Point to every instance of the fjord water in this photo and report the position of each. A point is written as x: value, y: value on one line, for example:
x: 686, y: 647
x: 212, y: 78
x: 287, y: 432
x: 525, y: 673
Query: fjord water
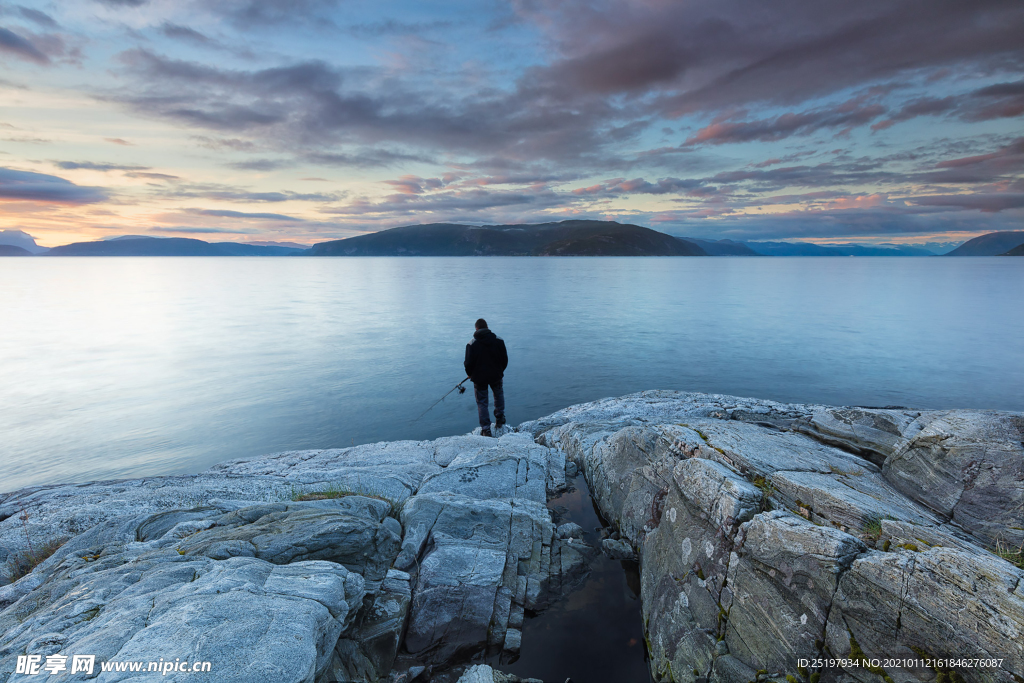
x: 123, y: 367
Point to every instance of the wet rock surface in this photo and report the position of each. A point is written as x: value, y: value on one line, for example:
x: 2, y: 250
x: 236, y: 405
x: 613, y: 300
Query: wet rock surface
x: 766, y: 533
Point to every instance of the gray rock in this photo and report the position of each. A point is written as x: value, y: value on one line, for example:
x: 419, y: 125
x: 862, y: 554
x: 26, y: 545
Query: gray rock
x: 848, y: 502
x: 729, y: 669
x: 617, y: 550
x: 727, y: 586
x: 364, y: 544
x: 464, y: 551
x: 482, y: 548
x: 569, y: 530
x: 967, y: 465
x: 943, y: 602
x: 481, y: 673
x: 139, y: 600
x: 685, y: 563
x: 873, y: 433
x: 391, y: 470
x: 889, y: 477
x: 753, y: 450
x: 369, y: 649
x: 513, y: 467
x: 782, y: 578
x: 896, y: 534
x: 478, y: 540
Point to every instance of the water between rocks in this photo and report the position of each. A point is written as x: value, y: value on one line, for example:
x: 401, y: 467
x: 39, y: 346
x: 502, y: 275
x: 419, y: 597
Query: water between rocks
x: 596, y: 634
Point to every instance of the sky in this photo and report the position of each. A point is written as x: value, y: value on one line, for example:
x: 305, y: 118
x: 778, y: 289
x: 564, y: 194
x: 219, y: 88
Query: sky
x: 878, y: 121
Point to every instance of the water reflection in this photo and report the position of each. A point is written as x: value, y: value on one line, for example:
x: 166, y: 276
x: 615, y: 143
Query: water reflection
x: 596, y: 634
x: 127, y: 367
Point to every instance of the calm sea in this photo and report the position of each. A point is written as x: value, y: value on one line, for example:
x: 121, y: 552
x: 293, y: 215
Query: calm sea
x: 121, y: 367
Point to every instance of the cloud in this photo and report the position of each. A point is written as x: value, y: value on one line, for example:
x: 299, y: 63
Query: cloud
x: 364, y: 158
x: 985, y: 202
x: 93, y: 166
x: 1006, y: 161
x: 701, y: 56
x: 120, y: 141
x: 202, y: 231
x: 621, y: 186
x: 330, y: 115
x: 41, y: 18
x: 260, y: 164
x: 775, y: 161
x: 1001, y: 100
x: 235, y: 194
x: 270, y: 12
x: 820, y: 175
x: 447, y: 204
x: 842, y: 224
x: 224, y: 213
x: 184, y: 33
x: 393, y: 27
x: 410, y: 184
x: 847, y: 115
x: 921, y: 106
x: 14, y: 44
x: 152, y: 176
x: 39, y: 187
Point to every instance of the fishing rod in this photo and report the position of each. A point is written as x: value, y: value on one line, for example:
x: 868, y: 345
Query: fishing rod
x: 458, y: 386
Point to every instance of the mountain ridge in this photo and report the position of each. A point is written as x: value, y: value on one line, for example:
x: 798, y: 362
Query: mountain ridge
x: 564, y: 238
x: 166, y: 246
x: 990, y: 244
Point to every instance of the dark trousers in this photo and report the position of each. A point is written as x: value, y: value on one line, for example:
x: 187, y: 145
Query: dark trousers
x: 480, y: 391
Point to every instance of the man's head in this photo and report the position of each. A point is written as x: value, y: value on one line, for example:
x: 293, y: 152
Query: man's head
x: 481, y: 324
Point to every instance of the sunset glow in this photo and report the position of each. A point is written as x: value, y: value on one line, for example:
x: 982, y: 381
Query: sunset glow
x: 264, y: 120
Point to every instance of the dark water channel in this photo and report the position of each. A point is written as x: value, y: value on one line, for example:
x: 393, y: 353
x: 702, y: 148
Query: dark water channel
x: 595, y: 635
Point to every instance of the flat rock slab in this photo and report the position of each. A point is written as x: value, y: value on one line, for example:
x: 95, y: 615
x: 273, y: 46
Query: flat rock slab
x: 942, y: 602
x: 390, y: 470
x: 107, y: 594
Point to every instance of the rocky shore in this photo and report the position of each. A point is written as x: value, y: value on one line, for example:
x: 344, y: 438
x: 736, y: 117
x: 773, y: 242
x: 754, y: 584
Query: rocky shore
x: 768, y: 534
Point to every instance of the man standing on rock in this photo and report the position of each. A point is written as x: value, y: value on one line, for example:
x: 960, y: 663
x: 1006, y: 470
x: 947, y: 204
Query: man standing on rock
x: 486, y: 360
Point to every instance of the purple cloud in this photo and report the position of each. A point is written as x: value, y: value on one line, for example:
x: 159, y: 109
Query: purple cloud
x: 39, y: 187
x: 12, y: 43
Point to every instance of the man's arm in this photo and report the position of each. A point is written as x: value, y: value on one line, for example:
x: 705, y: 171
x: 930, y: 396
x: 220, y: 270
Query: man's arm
x: 503, y: 355
x: 468, y: 363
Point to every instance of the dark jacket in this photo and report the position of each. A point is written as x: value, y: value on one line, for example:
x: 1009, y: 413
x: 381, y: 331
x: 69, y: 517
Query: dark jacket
x: 486, y: 358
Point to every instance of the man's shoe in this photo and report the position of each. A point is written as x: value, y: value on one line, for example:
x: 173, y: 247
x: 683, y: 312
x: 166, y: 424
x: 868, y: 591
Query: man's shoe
x: 486, y: 431
x: 499, y: 422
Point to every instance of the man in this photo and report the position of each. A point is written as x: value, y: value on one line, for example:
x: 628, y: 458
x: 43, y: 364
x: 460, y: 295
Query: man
x: 486, y: 360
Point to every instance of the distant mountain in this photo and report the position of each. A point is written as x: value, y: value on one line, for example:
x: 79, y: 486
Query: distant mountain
x: 240, y: 249
x: 566, y: 238
x: 293, y: 245
x: 11, y: 250
x: 1016, y: 251
x: 992, y: 244
x: 722, y: 247
x: 808, y: 249
x: 167, y: 246
x: 20, y: 238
